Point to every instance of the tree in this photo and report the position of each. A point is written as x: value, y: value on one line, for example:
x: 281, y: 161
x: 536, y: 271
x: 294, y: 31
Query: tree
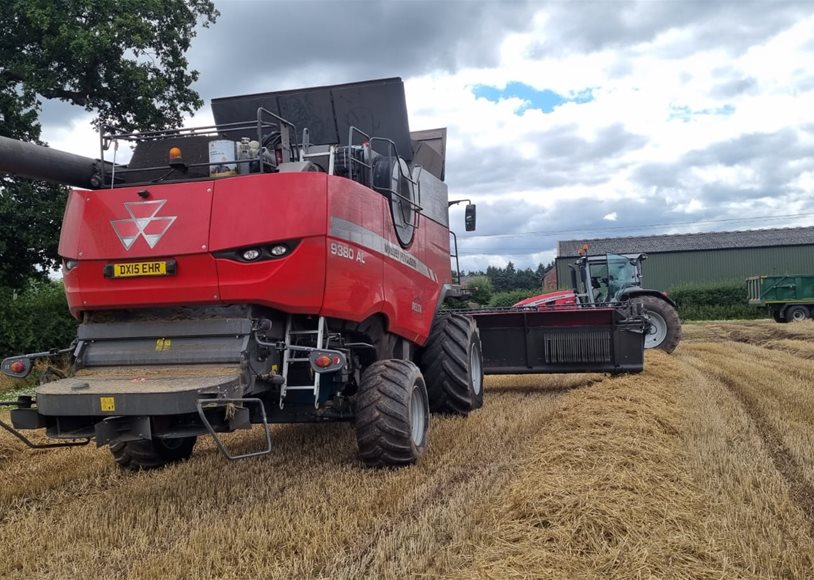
x: 480, y: 289
x: 30, y: 214
x: 123, y: 60
x: 503, y: 279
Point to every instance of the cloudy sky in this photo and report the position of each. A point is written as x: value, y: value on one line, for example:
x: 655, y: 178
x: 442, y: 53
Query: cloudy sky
x: 566, y: 119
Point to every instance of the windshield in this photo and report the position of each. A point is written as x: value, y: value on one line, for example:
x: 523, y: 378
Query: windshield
x: 599, y: 281
x: 622, y: 274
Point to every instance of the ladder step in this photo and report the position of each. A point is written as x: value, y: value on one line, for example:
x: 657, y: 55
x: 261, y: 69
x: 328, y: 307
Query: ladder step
x: 289, y: 358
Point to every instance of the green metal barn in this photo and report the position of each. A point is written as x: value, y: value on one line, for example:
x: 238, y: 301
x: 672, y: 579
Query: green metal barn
x: 710, y: 257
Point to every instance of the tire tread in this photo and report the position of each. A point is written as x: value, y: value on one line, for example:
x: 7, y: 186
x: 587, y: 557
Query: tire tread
x: 137, y: 455
x: 445, y: 364
x: 670, y: 316
x: 383, y: 429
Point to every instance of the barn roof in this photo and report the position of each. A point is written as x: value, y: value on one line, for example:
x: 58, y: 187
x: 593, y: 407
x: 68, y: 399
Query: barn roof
x: 690, y: 242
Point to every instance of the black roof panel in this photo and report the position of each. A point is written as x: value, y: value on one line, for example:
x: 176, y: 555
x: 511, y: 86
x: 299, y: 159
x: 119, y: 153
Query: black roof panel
x: 377, y: 107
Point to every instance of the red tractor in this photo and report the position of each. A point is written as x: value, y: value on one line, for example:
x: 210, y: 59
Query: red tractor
x: 615, y: 279
x: 287, y: 264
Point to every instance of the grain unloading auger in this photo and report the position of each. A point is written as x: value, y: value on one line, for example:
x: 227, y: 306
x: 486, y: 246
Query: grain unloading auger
x: 287, y: 264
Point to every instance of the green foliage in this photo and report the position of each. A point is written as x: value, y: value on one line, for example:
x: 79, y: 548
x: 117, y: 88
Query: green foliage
x: 510, y: 278
x: 35, y: 319
x: 510, y: 298
x: 123, y: 60
x: 30, y: 215
x: 714, y: 301
x: 480, y: 287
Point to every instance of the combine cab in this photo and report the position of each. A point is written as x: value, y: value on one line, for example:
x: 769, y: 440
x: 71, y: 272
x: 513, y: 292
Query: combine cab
x: 287, y: 264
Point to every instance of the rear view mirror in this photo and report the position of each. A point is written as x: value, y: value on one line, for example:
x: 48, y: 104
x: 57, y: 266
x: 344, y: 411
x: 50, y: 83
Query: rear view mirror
x: 469, y: 217
x: 17, y: 367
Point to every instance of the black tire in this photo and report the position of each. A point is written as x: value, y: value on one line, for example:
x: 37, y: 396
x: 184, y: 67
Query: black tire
x: 135, y: 455
x: 392, y: 414
x: 797, y: 313
x: 778, y: 318
x: 452, y: 364
x: 665, y: 329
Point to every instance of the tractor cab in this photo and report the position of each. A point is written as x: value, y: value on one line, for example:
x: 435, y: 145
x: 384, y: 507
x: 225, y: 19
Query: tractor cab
x: 605, y: 278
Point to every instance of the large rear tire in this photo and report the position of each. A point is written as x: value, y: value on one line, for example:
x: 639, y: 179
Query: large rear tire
x: 135, y: 455
x: 665, y: 326
x: 392, y: 414
x: 797, y: 313
x: 452, y: 364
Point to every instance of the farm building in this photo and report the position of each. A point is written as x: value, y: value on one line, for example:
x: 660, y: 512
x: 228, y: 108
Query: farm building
x: 709, y: 257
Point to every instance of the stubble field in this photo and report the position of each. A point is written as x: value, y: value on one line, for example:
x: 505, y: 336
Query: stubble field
x: 700, y: 467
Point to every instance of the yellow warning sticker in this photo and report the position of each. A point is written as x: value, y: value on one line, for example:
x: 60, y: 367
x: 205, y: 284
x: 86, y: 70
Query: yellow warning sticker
x: 163, y: 344
x: 108, y: 404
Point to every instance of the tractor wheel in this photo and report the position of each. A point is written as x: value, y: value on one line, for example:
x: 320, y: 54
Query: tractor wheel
x: 665, y: 326
x: 797, y: 313
x: 452, y: 365
x: 157, y: 452
x: 392, y: 414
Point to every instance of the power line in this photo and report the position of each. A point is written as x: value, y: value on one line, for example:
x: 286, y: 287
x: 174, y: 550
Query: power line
x: 638, y: 227
x: 526, y: 251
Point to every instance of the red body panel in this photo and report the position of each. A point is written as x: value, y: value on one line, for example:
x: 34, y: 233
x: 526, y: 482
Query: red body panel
x: 354, y: 287
x: 98, y: 224
x: 195, y: 283
x: 256, y: 209
x: 556, y: 298
x: 346, y: 263
x: 292, y: 284
x: 368, y: 271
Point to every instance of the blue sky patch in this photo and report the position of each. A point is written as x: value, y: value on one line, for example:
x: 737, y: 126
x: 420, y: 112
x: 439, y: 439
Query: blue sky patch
x: 684, y: 113
x: 545, y: 100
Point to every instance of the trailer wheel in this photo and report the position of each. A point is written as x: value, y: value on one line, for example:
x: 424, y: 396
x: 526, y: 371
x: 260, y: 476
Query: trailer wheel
x: 797, y: 313
x: 778, y: 317
x: 392, y: 414
x: 452, y: 365
x: 665, y: 326
x: 157, y: 452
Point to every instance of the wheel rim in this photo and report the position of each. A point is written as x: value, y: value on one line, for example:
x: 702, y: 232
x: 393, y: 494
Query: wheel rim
x: 171, y: 444
x: 798, y: 314
x: 475, y: 370
x: 657, y: 331
x: 418, y: 416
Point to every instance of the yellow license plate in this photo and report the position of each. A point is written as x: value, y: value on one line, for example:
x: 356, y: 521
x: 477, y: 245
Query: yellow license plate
x: 133, y: 269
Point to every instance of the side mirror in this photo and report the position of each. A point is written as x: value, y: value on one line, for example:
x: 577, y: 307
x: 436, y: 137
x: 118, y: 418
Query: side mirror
x: 17, y: 367
x: 469, y: 217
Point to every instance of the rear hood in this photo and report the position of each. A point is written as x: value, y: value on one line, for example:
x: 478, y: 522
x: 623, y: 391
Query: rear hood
x: 137, y: 222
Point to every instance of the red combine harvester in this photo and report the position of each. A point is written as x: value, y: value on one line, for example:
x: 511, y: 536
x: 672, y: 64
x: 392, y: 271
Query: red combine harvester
x: 287, y: 264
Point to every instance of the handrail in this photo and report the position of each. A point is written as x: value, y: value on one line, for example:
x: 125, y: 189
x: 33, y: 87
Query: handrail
x: 285, y: 126
x: 455, y: 255
x: 348, y: 154
x: 284, y: 134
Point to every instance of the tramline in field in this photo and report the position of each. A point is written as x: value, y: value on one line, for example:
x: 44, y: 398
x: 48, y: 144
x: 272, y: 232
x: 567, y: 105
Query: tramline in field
x: 287, y: 264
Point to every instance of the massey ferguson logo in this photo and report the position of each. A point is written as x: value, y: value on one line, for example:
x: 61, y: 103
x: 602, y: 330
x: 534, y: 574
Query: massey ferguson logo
x: 142, y: 222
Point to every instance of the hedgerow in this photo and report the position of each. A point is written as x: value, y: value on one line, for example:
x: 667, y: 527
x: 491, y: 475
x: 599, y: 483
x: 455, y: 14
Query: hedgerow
x: 714, y: 301
x: 35, y: 319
